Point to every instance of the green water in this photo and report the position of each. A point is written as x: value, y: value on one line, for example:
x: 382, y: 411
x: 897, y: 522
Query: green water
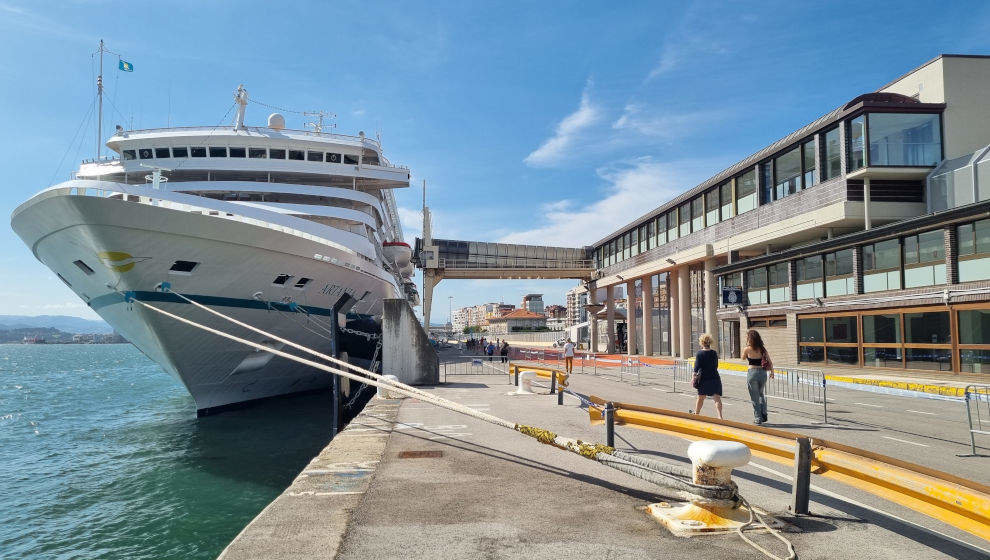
x: 102, y: 456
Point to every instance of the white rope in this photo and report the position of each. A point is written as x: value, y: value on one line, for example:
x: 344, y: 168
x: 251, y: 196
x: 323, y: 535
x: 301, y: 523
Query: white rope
x: 791, y: 554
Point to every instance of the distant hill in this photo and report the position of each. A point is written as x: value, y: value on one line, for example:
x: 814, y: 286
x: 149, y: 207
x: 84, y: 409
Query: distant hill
x: 65, y: 323
x: 47, y: 334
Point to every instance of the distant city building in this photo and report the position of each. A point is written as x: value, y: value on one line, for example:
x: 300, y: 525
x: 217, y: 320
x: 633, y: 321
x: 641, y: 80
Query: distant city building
x: 478, y: 315
x: 532, y: 303
x: 519, y: 320
x: 577, y: 299
x: 556, y: 323
x: 555, y: 312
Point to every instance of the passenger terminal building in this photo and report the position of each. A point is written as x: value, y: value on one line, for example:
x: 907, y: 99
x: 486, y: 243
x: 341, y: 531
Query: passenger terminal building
x: 861, y: 239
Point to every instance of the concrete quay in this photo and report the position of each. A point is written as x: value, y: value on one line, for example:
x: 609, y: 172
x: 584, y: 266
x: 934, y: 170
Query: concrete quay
x: 408, y: 480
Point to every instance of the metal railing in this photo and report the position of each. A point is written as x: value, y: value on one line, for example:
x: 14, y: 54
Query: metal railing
x: 515, y: 262
x: 978, y: 405
x: 799, y: 385
x: 473, y: 365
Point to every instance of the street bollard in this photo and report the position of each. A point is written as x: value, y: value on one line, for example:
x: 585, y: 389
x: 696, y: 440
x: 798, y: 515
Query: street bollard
x: 610, y: 424
x: 560, y: 397
x: 712, y: 463
x: 553, y: 382
x: 802, y: 476
x: 516, y: 368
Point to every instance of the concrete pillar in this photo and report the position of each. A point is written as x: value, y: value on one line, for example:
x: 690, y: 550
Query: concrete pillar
x: 647, y: 316
x: 593, y: 318
x: 631, y: 318
x: 684, y: 297
x: 430, y: 280
x: 610, y: 319
x: 866, y: 203
x: 711, y: 303
x: 674, y: 310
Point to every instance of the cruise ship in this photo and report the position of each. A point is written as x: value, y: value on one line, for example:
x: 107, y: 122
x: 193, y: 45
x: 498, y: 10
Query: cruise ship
x: 292, y: 231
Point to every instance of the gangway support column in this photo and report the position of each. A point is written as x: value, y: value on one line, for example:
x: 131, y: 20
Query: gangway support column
x: 711, y: 303
x: 631, y: 318
x: 647, y: 325
x: 610, y: 319
x: 430, y: 279
x: 673, y: 314
x: 684, y: 314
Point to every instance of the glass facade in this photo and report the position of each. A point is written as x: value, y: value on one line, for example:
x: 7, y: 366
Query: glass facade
x: 974, y: 251
x: 711, y: 207
x: 882, y: 266
x: 924, y: 259
x: 839, y: 273
x: 756, y: 286
x: 833, y: 155
x: 787, y: 173
x: 810, y: 274
x: 780, y: 287
x: 746, y: 192
x: 684, y: 213
x: 857, y: 143
x: 808, y: 163
x: 698, y: 214
x: 725, y: 199
x: 913, y: 139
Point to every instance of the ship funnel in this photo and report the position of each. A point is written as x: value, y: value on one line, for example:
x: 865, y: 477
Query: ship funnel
x: 276, y: 121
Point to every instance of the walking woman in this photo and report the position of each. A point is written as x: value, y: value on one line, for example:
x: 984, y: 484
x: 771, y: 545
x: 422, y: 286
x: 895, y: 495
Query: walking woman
x: 756, y: 379
x: 706, y: 378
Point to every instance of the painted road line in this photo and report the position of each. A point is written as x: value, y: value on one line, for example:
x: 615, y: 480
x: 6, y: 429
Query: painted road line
x: 865, y: 404
x: 920, y: 412
x: 906, y: 441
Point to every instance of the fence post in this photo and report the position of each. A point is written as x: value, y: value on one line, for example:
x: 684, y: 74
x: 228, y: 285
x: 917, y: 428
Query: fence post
x: 969, y: 417
x: 802, y: 476
x: 824, y: 398
x: 553, y: 382
x: 609, y: 424
x: 515, y: 370
x: 560, y: 397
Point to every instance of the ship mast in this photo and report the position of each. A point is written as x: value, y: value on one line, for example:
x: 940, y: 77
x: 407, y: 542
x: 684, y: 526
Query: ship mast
x: 99, y: 95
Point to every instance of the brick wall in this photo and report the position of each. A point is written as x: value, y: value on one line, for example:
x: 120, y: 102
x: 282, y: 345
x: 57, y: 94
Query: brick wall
x: 781, y: 342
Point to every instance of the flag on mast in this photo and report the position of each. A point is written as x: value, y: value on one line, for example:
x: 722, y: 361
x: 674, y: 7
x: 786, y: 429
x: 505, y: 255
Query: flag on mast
x: 125, y: 66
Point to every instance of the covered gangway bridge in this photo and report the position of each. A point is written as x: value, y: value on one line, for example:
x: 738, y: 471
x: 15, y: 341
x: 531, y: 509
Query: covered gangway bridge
x: 450, y: 258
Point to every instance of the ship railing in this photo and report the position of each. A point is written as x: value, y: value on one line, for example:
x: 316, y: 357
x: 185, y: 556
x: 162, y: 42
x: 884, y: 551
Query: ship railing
x: 516, y: 262
x: 330, y: 135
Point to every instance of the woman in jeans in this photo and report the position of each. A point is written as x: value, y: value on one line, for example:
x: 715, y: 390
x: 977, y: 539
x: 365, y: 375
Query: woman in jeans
x: 709, y: 384
x: 756, y: 378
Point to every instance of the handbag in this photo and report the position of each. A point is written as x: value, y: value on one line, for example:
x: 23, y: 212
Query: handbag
x: 696, y: 380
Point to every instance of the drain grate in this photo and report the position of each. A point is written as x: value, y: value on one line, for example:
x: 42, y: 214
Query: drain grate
x: 419, y: 454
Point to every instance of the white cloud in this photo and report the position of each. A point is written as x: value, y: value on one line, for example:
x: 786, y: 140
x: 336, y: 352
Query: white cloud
x: 642, y: 120
x: 696, y: 34
x: 631, y: 190
x: 358, y: 112
x: 412, y: 223
x: 555, y: 149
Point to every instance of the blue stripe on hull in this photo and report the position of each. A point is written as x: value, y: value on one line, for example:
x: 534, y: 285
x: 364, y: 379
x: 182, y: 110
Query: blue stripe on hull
x: 212, y: 301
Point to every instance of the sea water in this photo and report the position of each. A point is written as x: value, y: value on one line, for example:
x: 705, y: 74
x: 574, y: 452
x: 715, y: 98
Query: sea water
x: 102, y: 456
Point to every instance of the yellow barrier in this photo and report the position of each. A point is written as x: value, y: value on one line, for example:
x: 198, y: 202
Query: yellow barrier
x: 962, y: 503
x: 541, y: 371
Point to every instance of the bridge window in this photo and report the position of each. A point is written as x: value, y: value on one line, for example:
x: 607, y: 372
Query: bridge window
x: 162, y: 153
x: 297, y: 155
x: 197, y: 151
x: 238, y: 152
x: 276, y: 153
x: 128, y: 154
x: 146, y: 153
x: 756, y: 286
x: 257, y: 153
x: 218, y: 152
x: 746, y: 191
x: 882, y: 266
x: 314, y: 156
x: 350, y: 160
x: 660, y: 226
x: 646, y: 239
x: 333, y: 158
x: 180, y: 152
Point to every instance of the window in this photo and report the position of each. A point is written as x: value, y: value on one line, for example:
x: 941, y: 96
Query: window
x: 684, y: 213
x: 924, y: 259
x: 84, y: 267
x: 833, y: 155
x: 811, y: 330
x: 841, y: 329
x: 839, y: 278
x: 180, y: 152
x: 197, y: 151
x: 672, y: 225
x: 276, y: 153
x: 725, y: 199
x: 974, y: 340
x: 769, y: 322
x: 645, y: 233
x: 811, y: 340
x: 809, y: 277
x: 350, y: 160
x: 756, y: 286
x: 297, y: 155
x: 128, y: 154
x: 928, y: 329
x: 711, y: 207
x: 314, y: 156
x: 183, y: 266
x: 780, y: 285
x: 633, y: 242
x: 661, y: 229
x: 808, y: 163
x: 626, y: 246
x: 882, y: 266
x: 974, y: 251
x: 698, y: 214
x: 333, y: 158
x: 145, y: 153
x: 884, y: 328
x: 766, y: 182
x: 257, y: 153
x: 905, y: 139
x: 218, y: 152
x: 162, y: 153
x: 746, y: 191
x: 238, y: 152
x: 301, y: 283
x: 787, y: 173
x: 857, y: 140
x: 281, y: 279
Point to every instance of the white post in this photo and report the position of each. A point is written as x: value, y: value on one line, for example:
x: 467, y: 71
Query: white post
x: 866, y: 203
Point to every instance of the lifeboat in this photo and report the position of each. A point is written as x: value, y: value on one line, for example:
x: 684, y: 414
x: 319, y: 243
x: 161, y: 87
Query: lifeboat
x: 397, y: 253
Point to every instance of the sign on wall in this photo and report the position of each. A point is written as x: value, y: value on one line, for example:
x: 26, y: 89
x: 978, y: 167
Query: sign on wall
x: 732, y: 295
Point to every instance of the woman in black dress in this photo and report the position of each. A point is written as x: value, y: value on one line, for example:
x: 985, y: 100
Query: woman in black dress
x: 709, y: 383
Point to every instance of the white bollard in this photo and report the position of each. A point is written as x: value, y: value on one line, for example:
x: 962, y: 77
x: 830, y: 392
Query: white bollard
x: 713, y: 461
x: 384, y: 393
x: 525, y: 382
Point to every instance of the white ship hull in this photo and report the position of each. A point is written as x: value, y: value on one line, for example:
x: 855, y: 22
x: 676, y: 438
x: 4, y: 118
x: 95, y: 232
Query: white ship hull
x: 130, y: 246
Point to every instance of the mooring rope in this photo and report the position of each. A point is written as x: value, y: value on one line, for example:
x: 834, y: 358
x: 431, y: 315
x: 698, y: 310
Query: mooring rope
x: 645, y: 469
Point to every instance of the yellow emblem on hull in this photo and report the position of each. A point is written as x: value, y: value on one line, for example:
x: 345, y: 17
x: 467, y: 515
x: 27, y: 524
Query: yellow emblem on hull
x: 119, y: 261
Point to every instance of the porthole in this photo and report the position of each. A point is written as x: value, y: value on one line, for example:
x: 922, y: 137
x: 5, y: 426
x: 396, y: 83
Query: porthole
x: 183, y: 267
x: 84, y: 267
x: 281, y: 279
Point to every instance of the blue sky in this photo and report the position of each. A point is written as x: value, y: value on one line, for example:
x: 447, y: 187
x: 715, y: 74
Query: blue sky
x: 533, y: 123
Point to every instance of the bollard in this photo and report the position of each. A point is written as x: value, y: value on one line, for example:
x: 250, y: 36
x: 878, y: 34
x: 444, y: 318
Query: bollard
x: 525, y: 386
x: 610, y: 424
x: 516, y: 370
x: 553, y: 382
x: 385, y: 393
x: 560, y: 397
x: 712, y: 463
x: 802, y: 476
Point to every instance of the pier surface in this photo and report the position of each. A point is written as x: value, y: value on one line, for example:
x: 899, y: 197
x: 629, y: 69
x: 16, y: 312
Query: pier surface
x: 408, y: 480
